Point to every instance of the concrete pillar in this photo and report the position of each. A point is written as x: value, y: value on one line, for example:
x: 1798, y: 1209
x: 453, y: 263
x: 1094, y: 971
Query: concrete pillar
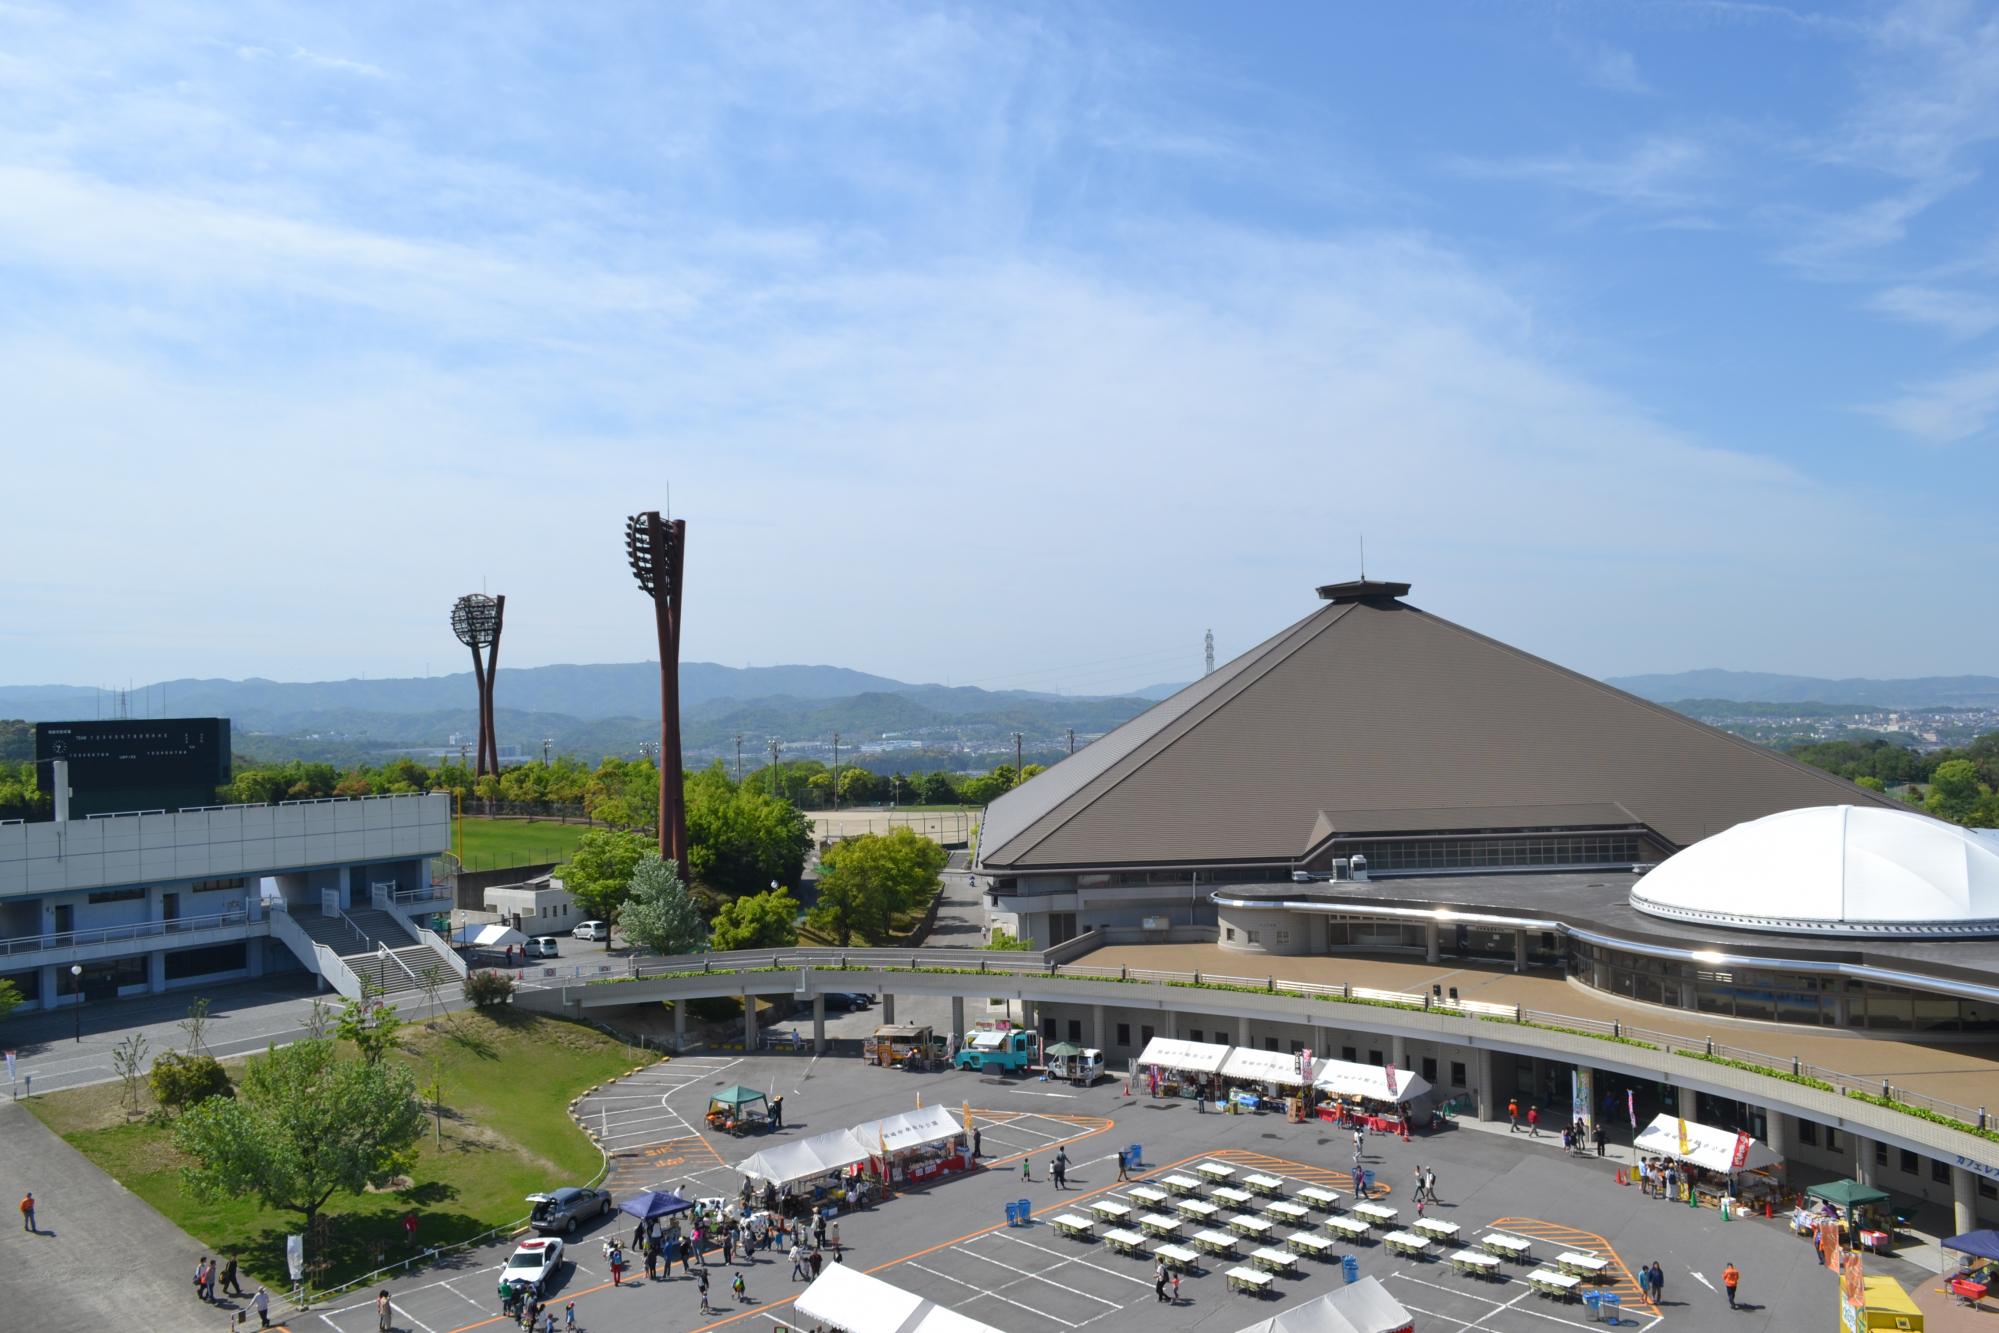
x: 679, y: 1025
x: 1097, y: 1028
x: 1172, y: 1017
x: 254, y: 954
x: 1777, y: 1133
x: 888, y: 1007
x: 1242, y: 1032
x: 749, y: 1022
x: 958, y: 1016
x: 47, y: 986
x: 1431, y: 952
x: 819, y: 1025
x: 1519, y: 951
x: 346, y: 883
x: 1684, y: 1104
x: 1963, y: 1199
x: 1863, y: 1158
x: 156, y: 970
x: 1398, y: 1050
x: 1486, y: 1078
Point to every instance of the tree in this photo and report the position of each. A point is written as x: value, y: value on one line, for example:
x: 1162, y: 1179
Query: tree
x: 599, y: 872
x: 183, y: 1081
x: 1954, y: 790
x: 865, y: 881
x: 767, y: 920
x: 1870, y: 782
x: 10, y: 996
x: 740, y: 838
x: 659, y: 914
x: 370, y: 1025
x: 195, y: 1025
x: 487, y: 987
x: 1004, y: 941
x: 128, y: 1061
x: 306, y: 1125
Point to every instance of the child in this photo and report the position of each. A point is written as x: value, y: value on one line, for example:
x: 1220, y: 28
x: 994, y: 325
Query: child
x: 741, y: 1288
x: 569, y: 1316
x: 1024, y: 1173
x: 705, y: 1307
x: 1176, y: 1286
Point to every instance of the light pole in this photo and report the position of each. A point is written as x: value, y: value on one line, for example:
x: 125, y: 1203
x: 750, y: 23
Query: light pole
x: 657, y: 548
x: 774, y: 748
x: 1016, y: 759
x: 739, y: 759
x: 546, y: 741
x: 836, y: 772
x: 76, y: 979
x: 894, y: 789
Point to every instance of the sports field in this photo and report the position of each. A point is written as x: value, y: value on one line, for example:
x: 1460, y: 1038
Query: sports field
x: 493, y: 844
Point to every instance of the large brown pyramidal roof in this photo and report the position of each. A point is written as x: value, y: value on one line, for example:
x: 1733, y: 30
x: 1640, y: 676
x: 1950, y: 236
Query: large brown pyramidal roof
x: 1371, y: 716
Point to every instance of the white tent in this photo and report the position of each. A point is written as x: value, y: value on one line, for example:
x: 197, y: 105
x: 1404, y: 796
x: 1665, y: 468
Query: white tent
x: 1707, y: 1147
x: 1344, y: 1078
x: 848, y: 1299
x: 807, y: 1159
x: 909, y: 1129
x: 1268, y: 1067
x: 1193, y: 1057
x: 490, y: 936
x: 1363, y: 1307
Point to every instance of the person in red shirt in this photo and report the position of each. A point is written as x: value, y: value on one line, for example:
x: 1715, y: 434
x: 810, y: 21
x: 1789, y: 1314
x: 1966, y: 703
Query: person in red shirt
x: 28, y: 1212
x: 1534, y: 1121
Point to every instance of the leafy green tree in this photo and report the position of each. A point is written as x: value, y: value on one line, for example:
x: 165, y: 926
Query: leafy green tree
x: 305, y: 1125
x: 938, y: 789
x: 767, y: 920
x: 659, y: 913
x: 741, y: 838
x: 1004, y: 941
x: 180, y: 1082
x: 488, y: 986
x: 866, y: 881
x: 599, y: 872
x: 10, y: 997
x: 1954, y: 791
x: 371, y: 1025
x: 1870, y: 782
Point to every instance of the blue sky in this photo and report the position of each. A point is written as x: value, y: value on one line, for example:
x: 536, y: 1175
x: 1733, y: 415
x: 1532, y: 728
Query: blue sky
x: 1001, y: 345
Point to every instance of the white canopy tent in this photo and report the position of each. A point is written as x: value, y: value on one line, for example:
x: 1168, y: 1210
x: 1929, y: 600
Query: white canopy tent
x: 493, y: 935
x: 1707, y: 1147
x: 909, y: 1129
x: 807, y: 1159
x: 1269, y: 1067
x: 1363, y: 1307
x: 1344, y: 1078
x: 847, y: 1299
x: 1189, y: 1057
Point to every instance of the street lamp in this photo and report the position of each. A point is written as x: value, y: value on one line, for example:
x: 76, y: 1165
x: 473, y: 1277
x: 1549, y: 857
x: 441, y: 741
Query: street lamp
x: 76, y: 979
x: 546, y: 741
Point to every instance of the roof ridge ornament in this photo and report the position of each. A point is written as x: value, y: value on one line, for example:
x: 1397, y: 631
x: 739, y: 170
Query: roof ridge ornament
x: 1363, y: 590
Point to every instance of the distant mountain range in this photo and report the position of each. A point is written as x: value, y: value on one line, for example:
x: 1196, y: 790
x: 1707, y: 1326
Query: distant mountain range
x: 608, y: 709
x: 1859, y: 692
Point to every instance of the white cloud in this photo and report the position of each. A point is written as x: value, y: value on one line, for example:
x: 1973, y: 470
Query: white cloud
x: 1658, y: 174
x: 1959, y: 313
x: 1611, y: 68
x: 1949, y: 409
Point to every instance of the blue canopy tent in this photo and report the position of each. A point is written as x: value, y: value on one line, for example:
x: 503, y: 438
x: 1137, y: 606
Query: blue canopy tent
x: 654, y: 1203
x: 1977, y: 1244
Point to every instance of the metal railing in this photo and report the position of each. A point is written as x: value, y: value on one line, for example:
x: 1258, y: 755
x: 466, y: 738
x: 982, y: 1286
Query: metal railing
x: 437, y: 946
x: 136, y: 930
x: 1043, y: 964
x: 316, y: 956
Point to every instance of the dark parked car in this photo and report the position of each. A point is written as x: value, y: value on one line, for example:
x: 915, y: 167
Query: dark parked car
x: 560, y: 1210
x: 843, y: 1002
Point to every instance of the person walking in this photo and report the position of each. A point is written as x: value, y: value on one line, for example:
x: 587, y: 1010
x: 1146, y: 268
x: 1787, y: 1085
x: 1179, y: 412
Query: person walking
x: 383, y: 1313
x: 1430, y: 1183
x: 797, y: 1262
x: 1025, y: 1174
x: 1655, y: 1282
x: 816, y: 1258
x: 28, y: 1213
x: 261, y: 1303
x: 208, y: 1285
x: 705, y: 1307
x: 728, y: 1247
x: 1123, y: 1167
x: 1176, y: 1286
x: 819, y: 1231
x: 1601, y: 1135
x: 741, y: 1288
x: 1534, y: 1122
x: 617, y: 1267
x: 201, y: 1277
x: 1159, y: 1282
x: 569, y: 1316
x: 1416, y: 1194
x: 1513, y: 1114
x: 1731, y: 1278
x: 978, y: 1142
x: 777, y: 1113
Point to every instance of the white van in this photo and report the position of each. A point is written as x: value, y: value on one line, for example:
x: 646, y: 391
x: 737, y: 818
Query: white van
x: 592, y: 930
x: 541, y: 946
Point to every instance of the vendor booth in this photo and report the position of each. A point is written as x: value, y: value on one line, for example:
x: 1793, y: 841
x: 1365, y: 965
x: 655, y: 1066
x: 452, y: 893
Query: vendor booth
x: 1718, y: 1165
x: 786, y: 1164
x: 490, y: 938
x: 1977, y: 1271
x: 919, y: 1145
x: 1174, y: 1068
x: 655, y: 1204
x: 1361, y: 1307
x: 851, y: 1301
x: 1862, y: 1210
x: 739, y: 1110
x: 1259, y: 1080
x: 1363, y: 1095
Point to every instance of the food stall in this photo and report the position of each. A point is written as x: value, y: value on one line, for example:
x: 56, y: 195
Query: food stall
x: 739, y: 1111
x: 1170, y: 1067
x: 1863, y: 1212
x: 919, y: 1145
x: 1258, y: 1080
x: 1360, y: 1307
x: 1081, y: 1065
x: 1363, y: 1096
x: 1725, y: 1164
x: 1977, y: 1265
x: 901, y: 1045
x: 845, y: 1298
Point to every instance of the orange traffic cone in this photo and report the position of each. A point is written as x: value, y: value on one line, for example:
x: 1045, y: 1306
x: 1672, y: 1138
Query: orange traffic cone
x: 1766, y: 1209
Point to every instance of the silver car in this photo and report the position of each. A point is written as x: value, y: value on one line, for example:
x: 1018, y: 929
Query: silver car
x: 560, y: 1210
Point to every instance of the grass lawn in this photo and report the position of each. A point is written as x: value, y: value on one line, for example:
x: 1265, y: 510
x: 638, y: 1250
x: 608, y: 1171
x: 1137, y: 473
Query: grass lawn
x: 508, y: 1079
x: 490, y: 844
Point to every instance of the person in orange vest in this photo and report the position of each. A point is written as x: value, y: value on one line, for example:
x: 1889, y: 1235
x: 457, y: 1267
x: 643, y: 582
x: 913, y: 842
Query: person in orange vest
x: 28, y: 1212
x: 1731, y: 1277
x: 1513, y: 1112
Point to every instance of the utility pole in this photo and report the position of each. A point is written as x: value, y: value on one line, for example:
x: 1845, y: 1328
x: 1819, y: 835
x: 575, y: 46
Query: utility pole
x: 774, y: 747
x: 1016, y: 759
x: 739, y: 759
x: 1072, y: 740
x: 836, y: 772
x: 546, y: 741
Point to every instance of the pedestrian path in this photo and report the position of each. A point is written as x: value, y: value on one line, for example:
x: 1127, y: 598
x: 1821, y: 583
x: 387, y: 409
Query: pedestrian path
x: 1556, y: 1238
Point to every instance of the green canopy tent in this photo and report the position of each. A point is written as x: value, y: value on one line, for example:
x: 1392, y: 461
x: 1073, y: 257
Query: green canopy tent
x: 738, y: 1108
x: 1853, y: 1199
x: 1063, y: 1049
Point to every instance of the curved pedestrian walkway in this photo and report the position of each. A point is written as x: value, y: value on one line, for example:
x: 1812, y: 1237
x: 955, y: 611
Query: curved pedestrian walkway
x: 102, y: 1257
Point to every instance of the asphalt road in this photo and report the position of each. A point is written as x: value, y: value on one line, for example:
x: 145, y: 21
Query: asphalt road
x: 950, y: 1241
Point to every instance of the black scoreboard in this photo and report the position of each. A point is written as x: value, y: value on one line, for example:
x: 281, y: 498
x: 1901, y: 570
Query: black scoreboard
x: 136, y: 763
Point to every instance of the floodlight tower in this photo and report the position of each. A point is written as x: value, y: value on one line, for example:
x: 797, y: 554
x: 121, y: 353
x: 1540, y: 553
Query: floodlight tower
x: 476, y: 620
x: 656, y: 547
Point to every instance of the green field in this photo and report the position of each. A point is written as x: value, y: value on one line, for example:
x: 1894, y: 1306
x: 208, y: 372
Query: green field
x: 493, y: 844
x: 508, y: 1077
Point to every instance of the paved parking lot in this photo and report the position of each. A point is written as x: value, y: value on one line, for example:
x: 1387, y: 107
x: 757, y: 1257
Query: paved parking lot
x: 950, y: 1241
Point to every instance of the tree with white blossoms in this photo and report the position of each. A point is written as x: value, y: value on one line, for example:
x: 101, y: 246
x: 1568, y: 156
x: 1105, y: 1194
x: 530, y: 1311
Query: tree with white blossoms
x: 659, y: 913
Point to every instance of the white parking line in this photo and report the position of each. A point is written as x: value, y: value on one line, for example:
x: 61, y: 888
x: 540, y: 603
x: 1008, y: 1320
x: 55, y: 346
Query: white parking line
x: 995, y: 1295
x: 1037, y: 1277
x: 1072, y: 1259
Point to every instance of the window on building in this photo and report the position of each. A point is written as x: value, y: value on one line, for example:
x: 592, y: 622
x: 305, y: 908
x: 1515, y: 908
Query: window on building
x: 1907, y: 1161
x: 217, y: 885
x: 1297, y: 1048
x: 1144, y: 1035
x: 103, y: 896
x: 1228, y: 932
x: 1256, y: 937
x: 1196, y: 1035
x: 1124, y: 1034
x: 1048, y: 1028
x: 1458, y: 1074
x: 1348, y: 1054
x: 1283, y: 937
x: 1075, y: 1029
x: 1831, y: 1139
x: 1376, y: 1058
x: 1987, y: 1189
x: 1880, y: 1153
x: 1270, y: 1043
x: 1429, y: 1069
x: 202, y: 962
x: 1939, y: 1171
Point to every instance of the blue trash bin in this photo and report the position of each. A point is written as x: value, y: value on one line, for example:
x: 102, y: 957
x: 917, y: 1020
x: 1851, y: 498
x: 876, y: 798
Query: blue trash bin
x: 1350, y: 1268
x: 1026, y: 1211
x: 1134, y: 1155
x: 1013, y: 1214
x: 1593, y: 1302
x: 1612, y: 1308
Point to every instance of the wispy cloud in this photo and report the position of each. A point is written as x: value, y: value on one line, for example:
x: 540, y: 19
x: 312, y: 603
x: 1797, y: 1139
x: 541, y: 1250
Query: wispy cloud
x: 1605, y: 66
x: 1961, y: 314
x: 1947, y: 410
x: 1657, y: 175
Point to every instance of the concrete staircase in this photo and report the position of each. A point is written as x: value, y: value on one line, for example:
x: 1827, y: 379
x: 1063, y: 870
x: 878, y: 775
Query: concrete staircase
x: 398, y: 971
x: 357, y: 937
x: 380, y: 928
x: 331, y: 931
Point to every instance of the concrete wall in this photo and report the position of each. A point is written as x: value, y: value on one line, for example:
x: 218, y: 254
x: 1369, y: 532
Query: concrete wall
x: 1270, y: 931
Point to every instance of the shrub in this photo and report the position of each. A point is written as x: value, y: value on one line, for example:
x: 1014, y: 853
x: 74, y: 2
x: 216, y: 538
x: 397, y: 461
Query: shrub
x: 180, y: 1081
x: 488, y: 988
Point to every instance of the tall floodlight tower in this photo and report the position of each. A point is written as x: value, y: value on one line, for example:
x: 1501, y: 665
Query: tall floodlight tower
x: 656, y: 546
x: 476, y: 620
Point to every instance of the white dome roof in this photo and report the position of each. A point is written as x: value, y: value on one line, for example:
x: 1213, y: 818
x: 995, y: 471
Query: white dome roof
x: 1844, y: 869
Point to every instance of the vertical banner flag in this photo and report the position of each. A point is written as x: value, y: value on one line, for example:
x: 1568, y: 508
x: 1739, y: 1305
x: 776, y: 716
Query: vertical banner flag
x: 1741, y: 1157
x: 1631, y: 1108
x: 1582, y: 1096
x: 295, y: 1257
x: 1304, y: 1067
x: 1684, y: 1149
x: 1389, y: 1070
x: 11, y: 1075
